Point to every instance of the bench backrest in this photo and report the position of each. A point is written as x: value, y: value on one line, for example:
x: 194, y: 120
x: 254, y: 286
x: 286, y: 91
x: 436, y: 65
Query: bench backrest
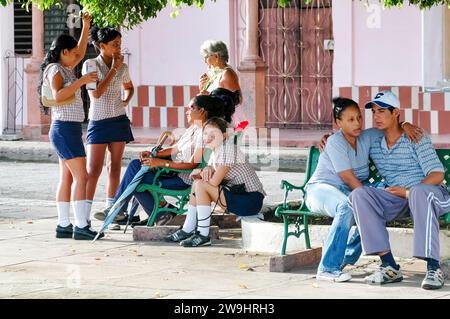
x: 444, y: 157
x: 312, y: 161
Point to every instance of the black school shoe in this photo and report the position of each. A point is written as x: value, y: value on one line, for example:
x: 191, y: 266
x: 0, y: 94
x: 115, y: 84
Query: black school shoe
x: 85, y: 233
x: 64, y: 232
x: 124, y: 221
x: 196, y: 240
x: 143, y: 222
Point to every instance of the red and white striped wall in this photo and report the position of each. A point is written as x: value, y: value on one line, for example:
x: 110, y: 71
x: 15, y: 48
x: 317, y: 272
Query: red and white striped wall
x: 429, y: 110
x: 161, y: 106
x: 165, y: 106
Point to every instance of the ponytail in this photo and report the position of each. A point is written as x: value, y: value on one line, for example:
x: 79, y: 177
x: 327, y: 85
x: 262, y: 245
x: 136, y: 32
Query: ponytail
x: 103, y: 35
x: 230, y: 100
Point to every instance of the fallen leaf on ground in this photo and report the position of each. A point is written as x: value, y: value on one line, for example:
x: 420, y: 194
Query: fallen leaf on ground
x: 243, y: 266
x: 98, y: 258
x: 250, y: 269
x: 243, y: 286
x: 315, y: 285
x: 157, y: 295
x: 29, y: 222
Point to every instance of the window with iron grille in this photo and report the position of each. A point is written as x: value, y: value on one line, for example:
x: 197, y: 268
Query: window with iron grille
x: 22, y: 30
x: 54, y: 25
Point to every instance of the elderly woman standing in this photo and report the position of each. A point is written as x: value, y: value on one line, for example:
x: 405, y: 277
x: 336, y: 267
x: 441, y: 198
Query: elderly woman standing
x: 220, y: 75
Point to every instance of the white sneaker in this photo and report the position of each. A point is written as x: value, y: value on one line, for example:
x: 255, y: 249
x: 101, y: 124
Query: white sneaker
x: 384, y: 275
x: 337, y: 276
x: 434, y: 279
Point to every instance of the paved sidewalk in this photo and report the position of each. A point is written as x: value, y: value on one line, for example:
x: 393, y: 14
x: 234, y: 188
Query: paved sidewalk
x: 34, y: 264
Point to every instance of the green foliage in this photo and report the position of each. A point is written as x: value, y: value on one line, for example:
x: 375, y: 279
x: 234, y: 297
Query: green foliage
x: 123, y: 13
x: 423, y: 4
x: 129, y: 13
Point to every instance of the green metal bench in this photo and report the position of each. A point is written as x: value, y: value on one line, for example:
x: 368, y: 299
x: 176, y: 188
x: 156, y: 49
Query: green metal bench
x: 181, y: 197
x: 299, y: 217
x: 160, y: 194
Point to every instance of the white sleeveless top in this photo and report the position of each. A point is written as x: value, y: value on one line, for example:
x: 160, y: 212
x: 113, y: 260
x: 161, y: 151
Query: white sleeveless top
x: 69, y: 112
x: 110, y: 104
x: 216, y: 83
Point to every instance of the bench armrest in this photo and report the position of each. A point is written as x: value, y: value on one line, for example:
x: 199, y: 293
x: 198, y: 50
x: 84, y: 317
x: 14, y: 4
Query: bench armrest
x: 288, y: 187
x: 167, y: 170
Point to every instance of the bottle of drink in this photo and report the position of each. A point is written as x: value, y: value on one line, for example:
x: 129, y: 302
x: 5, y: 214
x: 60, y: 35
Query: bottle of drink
x: 91, y: 66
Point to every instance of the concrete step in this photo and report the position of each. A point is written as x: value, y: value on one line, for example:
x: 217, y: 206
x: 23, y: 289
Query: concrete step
x: 158, y: 233
x: 267, y: 237
x: 223, y: 221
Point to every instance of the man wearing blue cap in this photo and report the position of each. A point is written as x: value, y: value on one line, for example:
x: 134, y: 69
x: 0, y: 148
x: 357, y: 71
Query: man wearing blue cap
x: 412, y: 176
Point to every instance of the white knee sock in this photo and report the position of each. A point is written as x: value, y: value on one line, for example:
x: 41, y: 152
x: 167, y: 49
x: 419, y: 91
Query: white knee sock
x: 204, y: 219
x: 191, y: 219
x: 109, y: 202
x: 88, y: 209
x: 63, y: 209
x: 79, y: 208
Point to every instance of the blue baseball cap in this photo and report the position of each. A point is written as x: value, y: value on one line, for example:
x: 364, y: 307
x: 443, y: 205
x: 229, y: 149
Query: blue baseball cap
x: 384, y: 99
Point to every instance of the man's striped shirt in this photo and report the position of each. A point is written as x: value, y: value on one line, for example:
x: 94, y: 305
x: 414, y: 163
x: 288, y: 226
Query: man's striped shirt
x: 406, y: 164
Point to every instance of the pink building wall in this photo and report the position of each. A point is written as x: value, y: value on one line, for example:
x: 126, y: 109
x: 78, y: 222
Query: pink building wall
x: 374, y: 49
x: 398, y: 49
x: 165, y: 51
x: 375, y: 46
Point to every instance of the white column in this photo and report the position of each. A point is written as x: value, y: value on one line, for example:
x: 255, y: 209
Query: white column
x: 38, y: 123
x: 6, y: 44
x: 253, y: 70
x: 251, y: 37
x: 342, y: 13
x: 432, y: 46
x: 446, y: 50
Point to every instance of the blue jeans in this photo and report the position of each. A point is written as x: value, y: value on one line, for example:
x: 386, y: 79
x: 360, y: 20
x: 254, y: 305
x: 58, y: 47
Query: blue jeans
x: 145, y: 198
x: 327, y: 200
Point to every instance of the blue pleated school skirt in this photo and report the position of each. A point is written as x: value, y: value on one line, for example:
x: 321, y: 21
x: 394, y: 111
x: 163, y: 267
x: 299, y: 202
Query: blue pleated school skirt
x: 115, y: 129
x: 67, y: 140
x: 245, y: 204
